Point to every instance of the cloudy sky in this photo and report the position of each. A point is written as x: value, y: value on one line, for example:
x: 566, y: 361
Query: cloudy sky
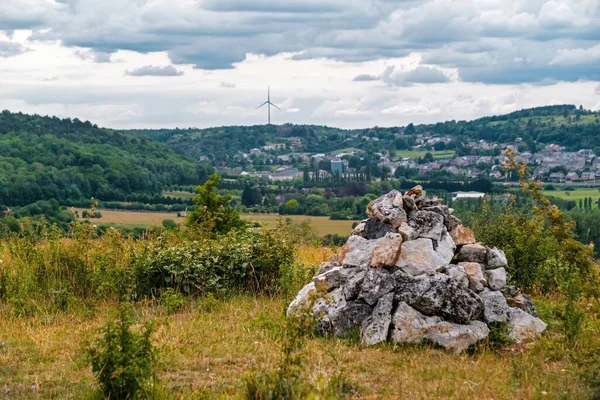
x: 347, y: 63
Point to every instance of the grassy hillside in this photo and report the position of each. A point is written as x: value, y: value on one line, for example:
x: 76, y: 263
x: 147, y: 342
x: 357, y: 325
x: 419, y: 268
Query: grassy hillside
x: 45, y: 158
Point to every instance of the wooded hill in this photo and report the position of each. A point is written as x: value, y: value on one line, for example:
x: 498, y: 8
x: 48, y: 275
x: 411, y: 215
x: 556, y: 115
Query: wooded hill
x: 566, y: 125
x: 44, y: 158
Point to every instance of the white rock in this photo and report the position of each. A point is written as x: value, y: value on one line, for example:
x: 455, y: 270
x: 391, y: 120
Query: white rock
x: 407, y: 232
x: 418, y: 257
x: 496, y: 258
x: 410, y: 326
x: 446, y: 247
x: 496, y: 278
x: 524, y: 326
x: 357, y: 252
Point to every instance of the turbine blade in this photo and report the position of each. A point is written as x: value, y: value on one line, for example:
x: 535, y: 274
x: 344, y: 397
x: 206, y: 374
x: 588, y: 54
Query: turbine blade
x: 266, y: 102
x: 275, y: 106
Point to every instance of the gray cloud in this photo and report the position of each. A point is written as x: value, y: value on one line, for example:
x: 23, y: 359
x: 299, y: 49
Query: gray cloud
x: 365, y: 78
x: 228, y: 85
x: 496, y: 42
x: 150, y: 70
x: 8, y: 49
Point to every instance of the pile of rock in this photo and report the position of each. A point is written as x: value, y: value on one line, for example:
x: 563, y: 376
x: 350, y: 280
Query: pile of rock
x: 413, y: 272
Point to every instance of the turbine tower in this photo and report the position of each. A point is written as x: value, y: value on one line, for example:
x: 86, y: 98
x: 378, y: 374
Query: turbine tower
x: 269, y: 104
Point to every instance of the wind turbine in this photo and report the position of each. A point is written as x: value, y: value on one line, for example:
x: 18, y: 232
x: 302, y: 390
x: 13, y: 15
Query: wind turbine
x: 269, y: 104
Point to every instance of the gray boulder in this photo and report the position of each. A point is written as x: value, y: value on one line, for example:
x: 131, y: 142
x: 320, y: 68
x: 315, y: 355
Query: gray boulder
x: 328, y: 280
x: 418, y: 257
x: 302, y: 299
x: 375, y: 328
x: 428, y: 224
x: 524, y: 303
x: 348, y: 317
x: 388, y: 209
x: 351, y: 281
x: 445, y: 246
x: 357, y: 252
x: 409, y: 204
x: 496, y: 278
x: 376, y: 283
x: 438, y: 294
x: 410, y: 326
x: 495, y: 308
x: 375, y: 229
x: 496, y: 258
x: 473, y: 253
x: 359, y: 230
x: 457, y: 272
x: 524, y: 326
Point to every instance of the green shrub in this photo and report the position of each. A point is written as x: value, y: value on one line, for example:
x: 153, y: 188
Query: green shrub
x: 123, y: 360
x: 172, y: 300
x: 238, y: 261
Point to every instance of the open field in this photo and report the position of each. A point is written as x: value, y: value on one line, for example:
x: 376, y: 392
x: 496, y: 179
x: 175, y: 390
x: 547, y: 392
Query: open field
x: 575, y: 195
x: 321, y: 225
x: 421, y: 153
x: 133, y: 218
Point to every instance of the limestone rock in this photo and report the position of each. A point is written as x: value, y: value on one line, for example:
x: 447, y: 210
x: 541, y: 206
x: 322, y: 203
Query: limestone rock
x: 495, y: 308
x: 328, y: 280
x: 375, y: 229
x: 524, y: 303
x: 376, y: 284
x: 438, y: 294
x: 386, y: 210
x: 375, y: 328
x: 416, y: 192
x: 496, y: 259
x: 457, y: 272
x: 351, y: 281
x: 463, y: 235
x: 348, y: 317
x: 473, y: 253
x: 418, y: 257
x: 474, y: 272
x: 301, y: 299
x: 496, y: 278
x: 452, y: 223
x: 445, y: 247
x: 407, y: 232
x: 359, y: 230
x: 387, y: 252
x: 410, y: 326
x: 325, y: 266
x: 428, y: 224
x: 357, y: 252
x: 524, y: 326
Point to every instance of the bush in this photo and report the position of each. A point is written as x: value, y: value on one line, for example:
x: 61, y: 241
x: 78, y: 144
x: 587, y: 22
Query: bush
x: 240, y: 261
x: 122, y: 360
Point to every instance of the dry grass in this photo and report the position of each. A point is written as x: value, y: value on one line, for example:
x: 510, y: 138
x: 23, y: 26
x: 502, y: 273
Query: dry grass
x: 210, y: 349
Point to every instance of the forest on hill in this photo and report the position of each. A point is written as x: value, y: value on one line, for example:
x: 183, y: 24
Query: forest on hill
x: 47, y: 158
x: 566, y: 125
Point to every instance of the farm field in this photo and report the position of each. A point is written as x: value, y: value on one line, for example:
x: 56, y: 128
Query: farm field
x: 178, y: 194
x: 421, y: 153
x: 575, y: 195
x: 132, y: 218
x: 321, y: 225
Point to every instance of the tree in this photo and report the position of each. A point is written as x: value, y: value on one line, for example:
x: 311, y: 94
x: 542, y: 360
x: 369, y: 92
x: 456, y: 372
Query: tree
x: 214, y: 212
x: 247, y: 196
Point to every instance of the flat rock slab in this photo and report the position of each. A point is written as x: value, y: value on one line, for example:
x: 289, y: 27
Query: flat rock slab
x: 418, y: 257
